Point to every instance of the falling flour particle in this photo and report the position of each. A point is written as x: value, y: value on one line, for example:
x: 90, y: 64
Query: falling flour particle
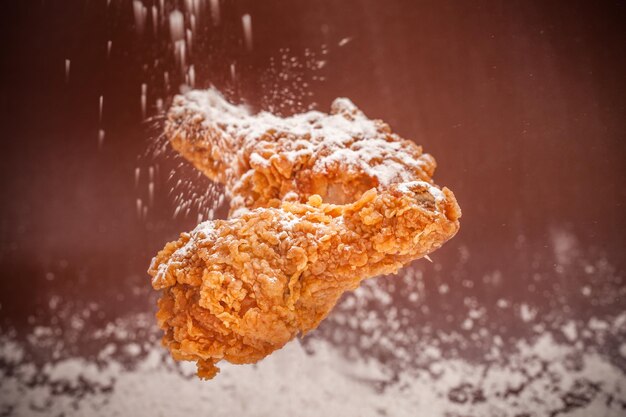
x: 246, y: 20
x: 141, y: 13
x: 189, y: 38
x: 137, y: 174
x: 564, y: 246
x: 155, y: 19
x: 144, y: 99
x: 177, y: 26
x: 109, y: 46
x: 100, y: 107
x: 151, y: 192
x: 192, y: 76
x: 215, y: 12
x: 100, y: 138
x: 344, y: 41
x: 180, y: 51
x: 67, y: 70
x: 232, y: 71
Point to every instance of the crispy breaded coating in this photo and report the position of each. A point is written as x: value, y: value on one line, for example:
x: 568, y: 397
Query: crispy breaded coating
x: 238, y: 289
x: 264, y: 159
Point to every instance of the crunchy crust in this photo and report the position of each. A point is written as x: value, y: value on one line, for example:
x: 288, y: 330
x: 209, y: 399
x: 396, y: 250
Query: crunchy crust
x: 241, y: 288
x: 273, y: 163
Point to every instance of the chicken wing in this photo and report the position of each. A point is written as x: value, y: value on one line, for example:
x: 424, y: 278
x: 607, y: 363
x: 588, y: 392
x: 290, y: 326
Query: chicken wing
x: 264, y: 159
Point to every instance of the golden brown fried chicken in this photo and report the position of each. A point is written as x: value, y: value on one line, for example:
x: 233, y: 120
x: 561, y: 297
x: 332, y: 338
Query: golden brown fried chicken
x: 241, y: 288
x: 264, y: 159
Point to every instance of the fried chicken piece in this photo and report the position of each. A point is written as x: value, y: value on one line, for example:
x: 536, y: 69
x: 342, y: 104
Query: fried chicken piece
x: 264, y: 159
x: 241, y: 288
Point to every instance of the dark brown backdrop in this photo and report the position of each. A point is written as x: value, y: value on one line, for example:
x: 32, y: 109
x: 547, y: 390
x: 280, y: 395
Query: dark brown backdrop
x: 522, y: 103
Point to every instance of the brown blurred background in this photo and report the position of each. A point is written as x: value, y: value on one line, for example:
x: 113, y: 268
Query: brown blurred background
x: 523, y: 104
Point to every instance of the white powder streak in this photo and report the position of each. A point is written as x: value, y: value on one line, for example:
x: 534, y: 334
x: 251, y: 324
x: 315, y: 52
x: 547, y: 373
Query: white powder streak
x: 151, y: 193
x: 141, y: 13
x: 246, y: 21
x: 155, y: 19
x: 215, y: 12
x: 189, y: 38
x: 344, y: 41
x: 100, y: 138
x: 177, y: 26
x: 192, y: 76
x: 67, y: 70
x: 137, y: 174
x: 180, y: 50
x: 144, y: 99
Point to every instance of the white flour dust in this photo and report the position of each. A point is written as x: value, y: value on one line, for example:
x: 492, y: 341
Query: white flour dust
x: 128, y: 373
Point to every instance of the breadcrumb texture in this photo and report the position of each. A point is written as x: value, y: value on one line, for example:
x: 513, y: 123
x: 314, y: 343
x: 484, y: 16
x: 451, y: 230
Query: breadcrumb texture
x: 319, y: 202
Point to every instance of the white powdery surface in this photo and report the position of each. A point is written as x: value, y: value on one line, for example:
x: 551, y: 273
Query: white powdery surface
x: 293, y: 382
